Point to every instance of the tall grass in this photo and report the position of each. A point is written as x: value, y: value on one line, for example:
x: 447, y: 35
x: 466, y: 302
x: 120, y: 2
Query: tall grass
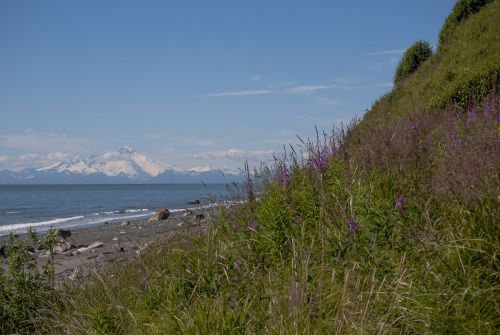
x: 347, y: 234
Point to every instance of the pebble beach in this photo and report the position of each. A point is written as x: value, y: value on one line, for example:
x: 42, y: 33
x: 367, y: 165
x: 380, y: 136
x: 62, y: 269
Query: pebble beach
x: 94, y: 249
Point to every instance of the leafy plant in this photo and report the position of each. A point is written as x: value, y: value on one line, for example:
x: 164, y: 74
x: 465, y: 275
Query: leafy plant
x: 24, y: 287
x: 415, y: 55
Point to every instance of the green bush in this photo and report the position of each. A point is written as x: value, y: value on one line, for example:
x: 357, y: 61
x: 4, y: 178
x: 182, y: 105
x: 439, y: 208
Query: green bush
x: 412, y: 58
x: 24, y: 287
x: 461, y: 11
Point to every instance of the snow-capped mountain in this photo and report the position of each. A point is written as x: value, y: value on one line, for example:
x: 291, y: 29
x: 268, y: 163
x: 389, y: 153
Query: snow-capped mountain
x: 124, y: 162
x: 122, y: 166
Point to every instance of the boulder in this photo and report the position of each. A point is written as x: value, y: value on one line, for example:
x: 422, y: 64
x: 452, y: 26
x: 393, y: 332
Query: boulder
x: 161, y: 214
x: 3, y: 249
x: 62, y: 246
x: 63, y: 232
x: 125, y: 223
x: 188, y: 212
x: 194, y: 202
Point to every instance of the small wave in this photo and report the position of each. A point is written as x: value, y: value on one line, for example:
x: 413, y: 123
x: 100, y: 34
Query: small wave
x: 37, y: 224
x: 136, y: 210
x: 12, y: 212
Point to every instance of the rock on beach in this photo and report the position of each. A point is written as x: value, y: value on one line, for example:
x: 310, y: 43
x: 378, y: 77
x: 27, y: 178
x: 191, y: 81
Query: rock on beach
x: 161, y: 214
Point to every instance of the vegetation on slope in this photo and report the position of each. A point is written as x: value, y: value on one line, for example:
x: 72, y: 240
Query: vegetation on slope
x: 389, y: 226
x: 467, y: 65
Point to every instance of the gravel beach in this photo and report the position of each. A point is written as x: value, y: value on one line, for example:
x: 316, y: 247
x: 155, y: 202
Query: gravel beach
x: 114, y: 242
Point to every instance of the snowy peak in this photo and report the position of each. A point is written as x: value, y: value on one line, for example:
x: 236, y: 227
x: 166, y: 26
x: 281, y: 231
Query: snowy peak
x: 122, y: 166
x: 126, y: 150
x: 124, y: 162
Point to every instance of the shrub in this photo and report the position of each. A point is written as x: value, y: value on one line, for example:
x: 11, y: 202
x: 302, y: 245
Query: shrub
x: 412, y: 58
x: 23, y: 287
x: 461, y: 11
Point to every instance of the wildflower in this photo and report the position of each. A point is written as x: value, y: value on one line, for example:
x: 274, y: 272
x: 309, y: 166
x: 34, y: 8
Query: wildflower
x: 144, y: 281
x: 488, y: 110
x: 240, y: 262
x: 237, y: 228
x: 414, y: 127
x: 353, y: 226
x: 284, y: 176
x: 471, y: 117
x: 400, y: 203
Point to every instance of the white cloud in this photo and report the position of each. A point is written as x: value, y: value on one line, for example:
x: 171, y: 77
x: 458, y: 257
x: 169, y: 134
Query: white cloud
x: 238, y: 93
x: 45, y: 142
x: 234, y: 154
x: 256, y: 78
x: 33, y: 160
x: 305, y: 89
x: 385, y: 52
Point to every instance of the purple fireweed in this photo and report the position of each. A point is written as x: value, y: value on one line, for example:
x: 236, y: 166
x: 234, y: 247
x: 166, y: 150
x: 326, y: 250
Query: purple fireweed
x: 414, y: 127
x: 400, y: 203
x: 284, y: 176
x: 488, y: 110
x: 353, y: 226
x: 471, y: 117
x: 144, y: 281
x: 239, y: 263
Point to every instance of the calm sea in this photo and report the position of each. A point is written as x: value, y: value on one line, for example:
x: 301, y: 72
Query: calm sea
x: 66, y: 206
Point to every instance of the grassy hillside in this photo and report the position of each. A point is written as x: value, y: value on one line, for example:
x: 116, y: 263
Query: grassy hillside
x: 387, y: 227
x: 468, y: 64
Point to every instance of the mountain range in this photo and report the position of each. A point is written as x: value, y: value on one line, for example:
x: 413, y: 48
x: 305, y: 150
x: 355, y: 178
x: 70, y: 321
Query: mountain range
x: 118, y: 167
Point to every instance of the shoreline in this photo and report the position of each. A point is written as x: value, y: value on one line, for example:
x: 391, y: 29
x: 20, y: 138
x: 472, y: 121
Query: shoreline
x: 120, y: 242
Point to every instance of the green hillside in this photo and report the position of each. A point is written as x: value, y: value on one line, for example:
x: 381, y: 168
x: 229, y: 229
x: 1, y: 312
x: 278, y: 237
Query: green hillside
x: 467, y: 64
x: 390, y: 226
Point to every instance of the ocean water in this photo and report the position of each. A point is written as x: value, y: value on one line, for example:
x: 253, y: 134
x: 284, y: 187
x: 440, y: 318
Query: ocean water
x: 70, y: 206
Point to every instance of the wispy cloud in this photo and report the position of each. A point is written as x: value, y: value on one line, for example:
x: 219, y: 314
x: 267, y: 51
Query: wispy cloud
x: 238, y: 93
x: 33, y: 160
x: 323, y: 101
x: 234, y: 154
x: 256, y: 78
x: 305, y: 89
x: 385, y: 52
x: 46, y: 142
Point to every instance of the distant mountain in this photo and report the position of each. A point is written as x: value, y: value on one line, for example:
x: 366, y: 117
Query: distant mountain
x: 118, y: 167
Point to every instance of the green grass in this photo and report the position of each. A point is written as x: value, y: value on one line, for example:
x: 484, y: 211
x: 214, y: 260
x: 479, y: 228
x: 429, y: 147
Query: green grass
x: 469, y: 63
x: 387, y: 227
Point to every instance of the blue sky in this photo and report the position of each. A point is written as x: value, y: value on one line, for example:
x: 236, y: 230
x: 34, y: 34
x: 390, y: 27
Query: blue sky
x: 194, y: 83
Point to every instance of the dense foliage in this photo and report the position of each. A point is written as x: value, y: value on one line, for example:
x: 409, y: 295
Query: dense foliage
x: 461, y: 11
x: 24, y: 287
x: 415, y: 55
